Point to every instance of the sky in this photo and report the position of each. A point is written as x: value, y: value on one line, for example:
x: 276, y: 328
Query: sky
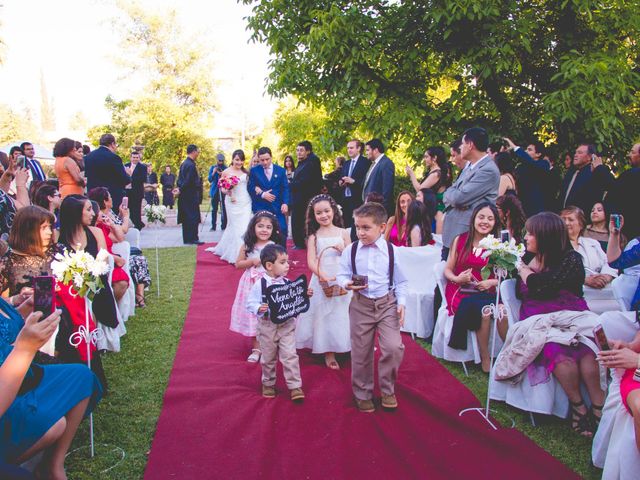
x: 71, y: 42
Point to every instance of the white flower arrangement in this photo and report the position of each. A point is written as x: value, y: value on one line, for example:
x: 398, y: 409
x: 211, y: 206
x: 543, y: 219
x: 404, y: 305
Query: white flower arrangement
x: 155, y: 213
x: 81, y: 271
x: 505, y: 256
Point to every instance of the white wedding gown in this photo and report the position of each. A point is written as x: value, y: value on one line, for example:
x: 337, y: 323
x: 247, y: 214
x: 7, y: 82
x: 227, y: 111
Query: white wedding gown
x: 238, y: 217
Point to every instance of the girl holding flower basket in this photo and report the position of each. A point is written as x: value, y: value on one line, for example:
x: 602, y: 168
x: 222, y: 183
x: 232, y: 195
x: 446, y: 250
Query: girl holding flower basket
x: 233, y: 183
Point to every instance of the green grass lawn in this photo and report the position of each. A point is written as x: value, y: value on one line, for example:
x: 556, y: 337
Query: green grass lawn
x: 138, y: 376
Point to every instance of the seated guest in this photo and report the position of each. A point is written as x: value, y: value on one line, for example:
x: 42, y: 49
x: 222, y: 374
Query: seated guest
x: 507, y: 184
x: 66, y: 167
x: 623, y: 260
x: 599, y: 227
x: 438, y: 178
x: 48, y: 197
x: 466, y: 292
x: 552, y: 282
x: 430, y: 201
x: 418, y: 225
x: 396, y: 232
x: 41, y: 406
x: 598, y: 274
x: 512, y: 216
x: 76, y: 233
x: 138, y: 265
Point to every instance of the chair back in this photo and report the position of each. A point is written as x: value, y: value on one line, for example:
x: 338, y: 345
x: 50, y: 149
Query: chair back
x: 624, y: 287
x: 415, y: 262
x: 133, y: 237
x: 509, y: 300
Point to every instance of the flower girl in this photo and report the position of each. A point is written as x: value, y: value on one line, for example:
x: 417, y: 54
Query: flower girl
x: 263, y: 229
x: 325, y: 326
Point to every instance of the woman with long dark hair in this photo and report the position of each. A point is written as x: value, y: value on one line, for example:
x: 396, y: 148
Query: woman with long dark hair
x: 552, y: 283
x: 418, y: 225
x: 512, y: 216
x: 438, y: 178
x: 238, y: 206
x: 467, y: 293
x: 507, y: 169
x: 289, y: 166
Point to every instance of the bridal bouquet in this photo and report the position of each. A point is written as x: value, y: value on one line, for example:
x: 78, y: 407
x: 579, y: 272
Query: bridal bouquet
x: 155, y: 213
x: 81, y: 271
x: 227, y: 183
x: 504, y: 256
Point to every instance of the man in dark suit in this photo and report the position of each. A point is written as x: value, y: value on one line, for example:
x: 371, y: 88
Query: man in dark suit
x: 37, y: 173
x: 624, y: 197
x: 215, y: 194
x: 306, y: 184
x: 533, y: 177
x: 586, y: 182
x: 189, y: 197
x: 104, y: 168
x: 269, y: 189
x: 135, y: 191
x: 354, y: 172
x: 380, y: 176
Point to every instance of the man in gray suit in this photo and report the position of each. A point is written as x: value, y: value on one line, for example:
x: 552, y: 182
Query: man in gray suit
x: 477, y: 183
x: 381, y: 175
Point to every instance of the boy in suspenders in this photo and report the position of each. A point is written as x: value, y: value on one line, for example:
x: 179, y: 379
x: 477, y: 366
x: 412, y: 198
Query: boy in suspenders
x: 368, y: 267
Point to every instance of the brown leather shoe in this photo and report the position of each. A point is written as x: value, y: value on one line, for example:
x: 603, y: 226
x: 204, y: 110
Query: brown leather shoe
x: 297, y: 395
x: 268, y: 392
x: 389, y: 401
x: 365, y: 406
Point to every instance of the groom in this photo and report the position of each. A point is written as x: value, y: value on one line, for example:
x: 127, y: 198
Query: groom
x: 269, y: 189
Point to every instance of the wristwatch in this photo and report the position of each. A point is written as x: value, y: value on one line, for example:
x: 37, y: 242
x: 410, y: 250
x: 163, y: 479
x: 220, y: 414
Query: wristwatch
x: 636, y: 374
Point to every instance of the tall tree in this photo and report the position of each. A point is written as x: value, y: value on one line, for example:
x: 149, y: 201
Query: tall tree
x: 422, y: 71
x: 176, y: 103
x: 47, y: 114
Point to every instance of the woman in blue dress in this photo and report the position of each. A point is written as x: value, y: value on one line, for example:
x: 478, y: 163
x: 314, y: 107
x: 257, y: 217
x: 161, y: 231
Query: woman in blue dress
x: 39, y: 410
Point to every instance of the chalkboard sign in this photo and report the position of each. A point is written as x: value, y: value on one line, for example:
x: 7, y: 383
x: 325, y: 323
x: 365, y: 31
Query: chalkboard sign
x: 287, y: 300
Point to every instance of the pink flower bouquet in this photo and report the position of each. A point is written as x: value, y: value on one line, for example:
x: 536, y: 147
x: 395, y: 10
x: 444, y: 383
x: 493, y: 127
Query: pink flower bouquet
x: 227, y: 183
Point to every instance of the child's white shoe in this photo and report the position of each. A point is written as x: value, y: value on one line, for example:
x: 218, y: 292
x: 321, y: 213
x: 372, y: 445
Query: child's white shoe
x: 255, y: 356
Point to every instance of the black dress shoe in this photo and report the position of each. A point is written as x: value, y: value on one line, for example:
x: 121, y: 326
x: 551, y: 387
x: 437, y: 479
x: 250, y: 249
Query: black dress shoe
x: 212, y: 229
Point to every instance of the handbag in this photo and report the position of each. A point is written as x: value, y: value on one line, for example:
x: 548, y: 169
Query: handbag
x: 329, y: 290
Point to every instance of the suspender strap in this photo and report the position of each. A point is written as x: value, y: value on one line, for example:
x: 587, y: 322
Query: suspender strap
x: 263, y: 282
x: 354, y: 250
x: 391, y: 264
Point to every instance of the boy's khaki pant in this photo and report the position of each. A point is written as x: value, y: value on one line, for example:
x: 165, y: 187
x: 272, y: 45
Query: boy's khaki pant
x: 366, y: 317
x: 279, y: 339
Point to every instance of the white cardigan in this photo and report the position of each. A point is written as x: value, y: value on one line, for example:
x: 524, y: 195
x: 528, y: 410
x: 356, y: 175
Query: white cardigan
x: 594, y: 258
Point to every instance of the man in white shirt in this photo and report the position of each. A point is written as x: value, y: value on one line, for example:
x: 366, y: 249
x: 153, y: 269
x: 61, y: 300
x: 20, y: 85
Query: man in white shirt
x: 380, y: 289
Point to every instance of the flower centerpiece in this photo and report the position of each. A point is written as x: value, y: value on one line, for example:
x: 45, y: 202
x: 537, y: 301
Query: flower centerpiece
x: 155, y: 213
x: 228, y: 183
x: 81, y: 271
x: 503, y: 257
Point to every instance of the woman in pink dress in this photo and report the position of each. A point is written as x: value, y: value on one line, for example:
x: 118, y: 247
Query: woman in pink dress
x: 396, y: 232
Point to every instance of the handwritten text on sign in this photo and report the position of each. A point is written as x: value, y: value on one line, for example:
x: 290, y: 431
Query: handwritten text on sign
x: 288, y: 300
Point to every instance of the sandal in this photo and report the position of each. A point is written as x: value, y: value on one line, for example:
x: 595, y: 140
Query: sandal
x: 581, y: 422
x: 140, y: 301
x: 255, y: 356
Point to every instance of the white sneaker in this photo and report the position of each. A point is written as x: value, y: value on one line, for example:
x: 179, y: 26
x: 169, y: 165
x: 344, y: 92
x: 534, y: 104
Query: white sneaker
x: 255, y: 356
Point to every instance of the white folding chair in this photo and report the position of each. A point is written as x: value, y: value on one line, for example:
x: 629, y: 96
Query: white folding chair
x: 110, y: 337
x: 418, y: 317
x: 442, y: 332
x: 127, y: 304
x: 133, y: 237
x: 624, y: 287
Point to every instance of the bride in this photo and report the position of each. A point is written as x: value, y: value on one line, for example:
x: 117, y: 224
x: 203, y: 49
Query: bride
x: 238, y: 205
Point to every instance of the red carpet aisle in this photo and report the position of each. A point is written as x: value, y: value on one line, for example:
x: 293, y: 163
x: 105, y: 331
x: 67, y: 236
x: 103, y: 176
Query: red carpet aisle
x: 214, y: 423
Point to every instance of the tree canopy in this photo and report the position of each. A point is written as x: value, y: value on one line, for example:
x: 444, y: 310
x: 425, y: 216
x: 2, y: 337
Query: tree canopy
x: 422, y: 71
x: 176, y: 103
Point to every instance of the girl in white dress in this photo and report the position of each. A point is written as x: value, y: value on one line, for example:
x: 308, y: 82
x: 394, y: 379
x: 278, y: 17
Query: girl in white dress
x: 238, y: 205
x: 263, y: 229
x: 325, y: 326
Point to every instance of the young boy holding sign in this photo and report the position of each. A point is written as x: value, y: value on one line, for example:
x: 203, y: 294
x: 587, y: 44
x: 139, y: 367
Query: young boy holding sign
x: 369, y: 268
x: 276, y: 338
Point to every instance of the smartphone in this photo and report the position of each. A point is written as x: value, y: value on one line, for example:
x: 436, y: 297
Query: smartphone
x: 505, y: 236
x: 21, y: 161
x: 43, y: 295
x: 616, y: 221
x: 601, y: 338
x: 125, y: 202
x: 360, y: 280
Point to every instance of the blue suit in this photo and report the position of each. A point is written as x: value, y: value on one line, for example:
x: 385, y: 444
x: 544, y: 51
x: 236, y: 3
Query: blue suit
x: 279, y: 186
x: 104, y: 168
x: 216, y: 197
x: 381, y: 180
